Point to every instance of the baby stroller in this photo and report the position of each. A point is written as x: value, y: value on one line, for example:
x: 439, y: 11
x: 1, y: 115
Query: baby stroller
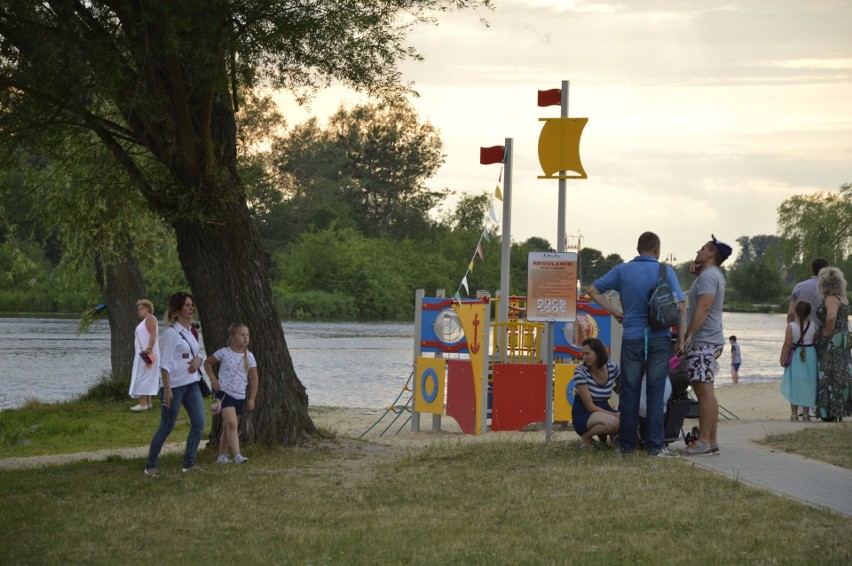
x: 679, y: 406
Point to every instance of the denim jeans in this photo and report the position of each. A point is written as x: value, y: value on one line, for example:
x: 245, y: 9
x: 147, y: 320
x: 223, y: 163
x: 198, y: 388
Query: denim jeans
x: 634, y: 366
x: 190, y: 397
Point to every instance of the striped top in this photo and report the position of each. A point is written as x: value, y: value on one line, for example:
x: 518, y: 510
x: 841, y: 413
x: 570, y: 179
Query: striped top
x: 583, y: 376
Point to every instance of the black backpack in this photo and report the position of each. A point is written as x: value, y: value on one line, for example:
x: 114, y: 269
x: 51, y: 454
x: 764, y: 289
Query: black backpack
x: 663, y: 306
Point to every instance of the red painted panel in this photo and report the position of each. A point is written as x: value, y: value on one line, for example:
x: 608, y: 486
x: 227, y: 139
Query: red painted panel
x: 519, y: 397
x: 461, y: 399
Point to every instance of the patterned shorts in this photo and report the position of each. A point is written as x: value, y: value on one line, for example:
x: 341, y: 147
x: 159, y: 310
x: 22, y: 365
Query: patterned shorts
x: 701, y: 362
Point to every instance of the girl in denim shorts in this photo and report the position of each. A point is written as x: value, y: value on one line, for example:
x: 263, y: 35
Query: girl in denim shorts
x: 237, y: 370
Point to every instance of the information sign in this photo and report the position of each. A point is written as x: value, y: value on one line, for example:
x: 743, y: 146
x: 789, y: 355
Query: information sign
x: 552, y: 286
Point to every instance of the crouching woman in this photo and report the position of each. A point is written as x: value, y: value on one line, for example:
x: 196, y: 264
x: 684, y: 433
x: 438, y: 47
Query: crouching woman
x: 594, y: 381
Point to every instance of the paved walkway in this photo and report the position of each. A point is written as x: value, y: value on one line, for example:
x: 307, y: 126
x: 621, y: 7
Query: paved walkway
x: 811, y: 481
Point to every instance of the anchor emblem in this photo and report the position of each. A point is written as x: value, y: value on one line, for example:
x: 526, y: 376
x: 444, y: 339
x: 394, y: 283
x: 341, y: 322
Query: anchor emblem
x: 474, y: 348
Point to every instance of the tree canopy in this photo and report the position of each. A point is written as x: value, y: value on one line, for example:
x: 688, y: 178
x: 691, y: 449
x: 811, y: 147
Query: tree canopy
x: 366, y: 169
x: 814, y: 225
x: 158, y: 83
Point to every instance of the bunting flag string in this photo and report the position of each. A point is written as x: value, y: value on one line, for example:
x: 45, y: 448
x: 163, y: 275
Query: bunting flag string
x: 478, y: 251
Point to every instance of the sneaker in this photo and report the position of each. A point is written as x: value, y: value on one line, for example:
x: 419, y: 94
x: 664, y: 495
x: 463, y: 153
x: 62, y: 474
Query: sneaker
x: 699, y: 448
x: 621, y: 451
x: 714, y: 449
x: 138, y: 408
x: 223, y: 459
x: 195, y: 468
x: 239, y: 459
x: 663, y: 453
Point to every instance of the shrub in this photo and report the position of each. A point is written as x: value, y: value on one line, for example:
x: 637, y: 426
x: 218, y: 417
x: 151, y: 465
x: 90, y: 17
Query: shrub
x: 315, y: 304
x: 109, y: 387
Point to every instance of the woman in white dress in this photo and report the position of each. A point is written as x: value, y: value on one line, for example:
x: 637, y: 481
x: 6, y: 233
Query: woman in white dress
x: 145, y: 380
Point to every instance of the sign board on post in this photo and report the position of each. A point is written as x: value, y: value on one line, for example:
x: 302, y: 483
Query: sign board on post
x: 552, y: 286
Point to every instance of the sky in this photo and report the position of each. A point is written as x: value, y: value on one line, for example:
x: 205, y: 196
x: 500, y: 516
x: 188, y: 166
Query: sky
x: 703, y: 116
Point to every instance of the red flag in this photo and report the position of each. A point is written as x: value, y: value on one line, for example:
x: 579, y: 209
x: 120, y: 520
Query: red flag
x: 551, y: 97
x: 489, y: 155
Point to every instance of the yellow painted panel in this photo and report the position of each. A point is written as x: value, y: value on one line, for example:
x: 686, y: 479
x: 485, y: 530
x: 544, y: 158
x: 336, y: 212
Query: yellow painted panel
x: 563, y: 391
x: 429, y: 385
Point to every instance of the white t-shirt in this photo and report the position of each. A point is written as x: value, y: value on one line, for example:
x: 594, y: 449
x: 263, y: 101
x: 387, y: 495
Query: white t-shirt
x: 233, y: 375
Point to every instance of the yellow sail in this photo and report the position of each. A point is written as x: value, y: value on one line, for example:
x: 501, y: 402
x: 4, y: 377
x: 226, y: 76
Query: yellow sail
x: 559, y: 147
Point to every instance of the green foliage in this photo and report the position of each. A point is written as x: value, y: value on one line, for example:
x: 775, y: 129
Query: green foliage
x: 814, y: 225
x: 756, y: 275
x: 109, y: 387
x: 470, y: 212
x: 315, y: 305
x: 366, y: 169
x: 593, y: 264
x: 757, y: 282
x: 379, y: 275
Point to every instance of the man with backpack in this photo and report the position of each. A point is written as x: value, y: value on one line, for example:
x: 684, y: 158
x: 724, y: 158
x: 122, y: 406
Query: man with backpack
x: 704, y: 340
x: 645, y: 351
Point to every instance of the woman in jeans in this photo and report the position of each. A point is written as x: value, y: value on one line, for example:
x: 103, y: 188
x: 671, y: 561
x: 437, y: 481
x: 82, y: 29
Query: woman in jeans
x: 179, y: 363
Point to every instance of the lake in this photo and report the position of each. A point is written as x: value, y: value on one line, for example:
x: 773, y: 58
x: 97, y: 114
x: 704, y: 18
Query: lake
x: 342, y: 364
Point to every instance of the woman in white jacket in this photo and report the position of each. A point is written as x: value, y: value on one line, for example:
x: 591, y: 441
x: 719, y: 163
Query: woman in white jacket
x: 179, y: 363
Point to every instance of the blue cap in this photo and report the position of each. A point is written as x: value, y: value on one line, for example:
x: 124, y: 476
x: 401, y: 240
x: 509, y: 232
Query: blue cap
x: 724, y: 249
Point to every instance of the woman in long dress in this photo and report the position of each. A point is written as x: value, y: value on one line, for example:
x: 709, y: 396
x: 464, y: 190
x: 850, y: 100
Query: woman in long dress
x: 834, y: 391
x: 145, y: 380
x: 799, y: 384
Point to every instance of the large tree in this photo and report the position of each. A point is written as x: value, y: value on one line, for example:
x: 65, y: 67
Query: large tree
x: 159, y: 81
x: 366, y: 169
x: 815, y: 225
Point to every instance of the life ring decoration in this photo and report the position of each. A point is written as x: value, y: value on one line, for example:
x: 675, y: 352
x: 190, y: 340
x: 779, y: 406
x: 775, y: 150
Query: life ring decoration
x: 428, y: 374
x: 569, y: 392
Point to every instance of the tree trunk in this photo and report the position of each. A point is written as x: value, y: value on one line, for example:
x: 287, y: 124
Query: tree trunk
x: 121, y: 285
x: 226, y: 270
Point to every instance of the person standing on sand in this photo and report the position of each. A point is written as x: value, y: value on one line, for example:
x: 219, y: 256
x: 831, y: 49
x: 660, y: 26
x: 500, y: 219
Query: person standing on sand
x: 736, y: 359
x: 834, y: 387
x: 799, y: 383
x: 704, y: 340
x: 644, y: 352
x: 807, y: 290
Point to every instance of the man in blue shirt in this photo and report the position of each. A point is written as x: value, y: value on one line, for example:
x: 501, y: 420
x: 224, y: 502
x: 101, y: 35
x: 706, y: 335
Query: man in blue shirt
x: 644, y: 352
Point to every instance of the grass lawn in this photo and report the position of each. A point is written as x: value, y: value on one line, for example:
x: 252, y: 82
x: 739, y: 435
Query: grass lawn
x: 80, y: 426
x: 343, y: 501
x: 829, y: 442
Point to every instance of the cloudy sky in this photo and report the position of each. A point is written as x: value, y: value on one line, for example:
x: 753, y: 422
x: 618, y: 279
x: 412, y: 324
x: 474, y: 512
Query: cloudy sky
x: 703, y: 116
